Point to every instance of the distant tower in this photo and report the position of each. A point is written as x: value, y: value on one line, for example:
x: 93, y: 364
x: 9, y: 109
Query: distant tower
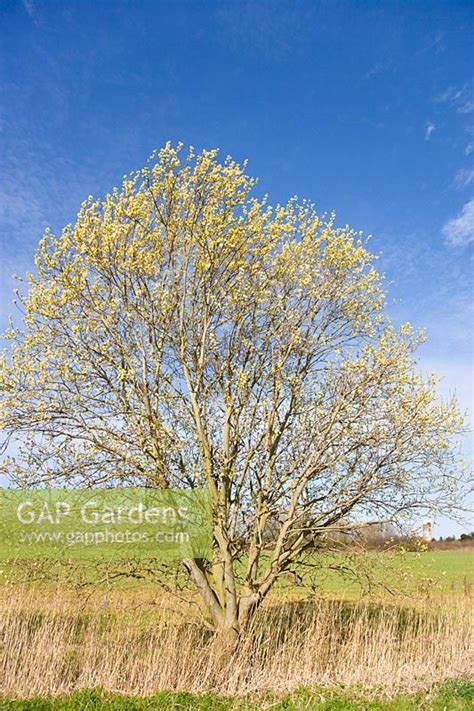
x: 427, y: 535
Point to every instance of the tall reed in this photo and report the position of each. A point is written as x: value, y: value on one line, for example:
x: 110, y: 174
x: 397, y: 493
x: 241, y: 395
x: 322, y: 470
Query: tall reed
x: 56, y: 645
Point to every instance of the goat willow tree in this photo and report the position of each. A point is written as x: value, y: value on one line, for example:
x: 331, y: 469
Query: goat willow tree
x: 185, y: 334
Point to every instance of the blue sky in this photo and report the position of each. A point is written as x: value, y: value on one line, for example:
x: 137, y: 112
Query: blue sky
x: 366, y: 108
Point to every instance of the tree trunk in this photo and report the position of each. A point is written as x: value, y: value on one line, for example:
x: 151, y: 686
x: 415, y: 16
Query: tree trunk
x: 226, y: 642
x: 227, y: 637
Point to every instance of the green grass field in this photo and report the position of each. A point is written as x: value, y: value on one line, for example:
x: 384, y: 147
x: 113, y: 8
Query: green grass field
x: 451, y: 696
x: 423, y: 573
x: 431, y: 572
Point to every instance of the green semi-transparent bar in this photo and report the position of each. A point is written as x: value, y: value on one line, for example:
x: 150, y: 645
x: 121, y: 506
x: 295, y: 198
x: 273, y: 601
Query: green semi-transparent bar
x: 107, y: 524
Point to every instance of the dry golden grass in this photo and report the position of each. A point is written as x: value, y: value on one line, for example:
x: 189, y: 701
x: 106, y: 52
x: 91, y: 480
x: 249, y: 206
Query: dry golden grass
x: 52, y: 643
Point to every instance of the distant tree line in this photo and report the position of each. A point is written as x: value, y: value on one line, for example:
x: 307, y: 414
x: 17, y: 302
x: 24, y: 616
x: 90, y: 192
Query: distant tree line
x: 462, y: 537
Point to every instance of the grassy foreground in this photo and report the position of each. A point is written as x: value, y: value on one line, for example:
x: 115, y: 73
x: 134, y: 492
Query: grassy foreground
x: 123, y: 647
x: 57, y: 646
x: 454, y: 695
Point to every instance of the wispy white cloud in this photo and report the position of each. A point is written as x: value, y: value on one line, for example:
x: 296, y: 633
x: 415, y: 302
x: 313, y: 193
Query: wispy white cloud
x: 435, y: 43
x: 459, y: 231
x: 464, y: 177
x: 29, y: 7
x: 451, y: 94
x: 377, y: 69
x: 429, y: 130
x: 459, y: 98
x: 466, y: 107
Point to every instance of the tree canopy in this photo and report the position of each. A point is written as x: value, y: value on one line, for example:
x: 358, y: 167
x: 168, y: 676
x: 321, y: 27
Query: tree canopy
x: 183, y: 333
